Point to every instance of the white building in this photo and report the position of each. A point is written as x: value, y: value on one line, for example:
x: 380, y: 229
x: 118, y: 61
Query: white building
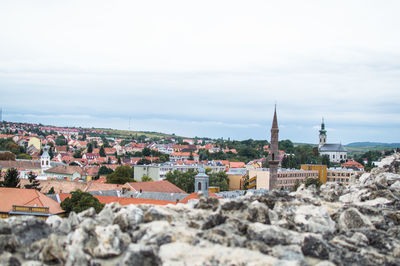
x: 336, y: 152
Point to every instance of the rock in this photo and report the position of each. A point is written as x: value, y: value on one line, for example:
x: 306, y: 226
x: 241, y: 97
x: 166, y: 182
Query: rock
x: 156, y: 214
x: 7, y: 259
x: 395, y: 186
x: 73, y: 220
x: 185, y: 254
x: 381, y: 181
x: 213, y: 220
x: 28, y: 229
x: 353, y: 219
x: 315, y: 247
x: 207, y: 203
x: 314, y: 219
x: 110, y: 242
x: 89, y: 213
x: 366, y: 179
x: 140, y: 255
x: 258, y: 212
x: 128, y: 217
x: 59, y: 225
x: 52, y: 251
x: 273, y: 235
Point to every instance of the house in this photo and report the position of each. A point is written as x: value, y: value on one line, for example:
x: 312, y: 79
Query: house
x: 17, y: 201
x: 90, y: 156
x: 336, y: 152
x: 183, y: 156
x: 71, y: 173
x: 154, y: 186
x: 350, y: 164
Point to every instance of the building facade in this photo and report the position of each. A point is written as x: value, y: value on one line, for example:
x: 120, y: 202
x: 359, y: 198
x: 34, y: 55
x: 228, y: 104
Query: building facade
x: 336, y: 152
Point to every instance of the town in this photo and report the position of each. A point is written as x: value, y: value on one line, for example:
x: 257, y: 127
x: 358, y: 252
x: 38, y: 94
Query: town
x: 158, y: 169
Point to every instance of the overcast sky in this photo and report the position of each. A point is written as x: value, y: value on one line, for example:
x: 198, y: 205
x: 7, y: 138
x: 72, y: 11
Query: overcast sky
x: 205, y: 68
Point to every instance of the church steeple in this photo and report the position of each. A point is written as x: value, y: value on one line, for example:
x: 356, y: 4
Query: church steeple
x: 322, y: 134
x: 274, y: 153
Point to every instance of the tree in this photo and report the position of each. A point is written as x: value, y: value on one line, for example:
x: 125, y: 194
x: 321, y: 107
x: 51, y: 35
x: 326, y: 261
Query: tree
x: 296, y: 185
x: 313, y: 181
x: 61, y: 140
x: 146, y: 152
x: 51, y: 191
x: 89, y: 147
x: 183, y: 180
x: 81, y: 201
x: 286, y: 145
x: 104, y: 170
x: 78, y: 154
x: 326, y: 161
x: 191, y: 156
x: 11, y: 178
x: 219, y: 179
x: 24, y: 156
x: 7, y: 156
x: 143, y: 161
x: 145, y: 178
x: 33, y: 182
x: 121, y: 175
x: 102, y: 152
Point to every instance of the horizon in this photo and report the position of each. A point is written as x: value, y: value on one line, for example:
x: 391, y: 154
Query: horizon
x: 205, y: 69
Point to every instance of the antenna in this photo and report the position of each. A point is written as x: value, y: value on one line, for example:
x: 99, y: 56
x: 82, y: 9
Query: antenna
x: 1, y: 114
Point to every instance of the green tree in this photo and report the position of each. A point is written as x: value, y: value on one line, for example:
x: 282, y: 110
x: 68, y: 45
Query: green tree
x: 51, y: 191
x: 89, y: 147
x: 313, y: 181
x: 219, y: 179
x: 104, y: 170
x: 121, y: 175
x: 326, y: 161
x: 78, y: 154
x: 24, y: 156
x: 145, y: 178
x: 146, y: 152
x: 81, y: 201
x: 33, y: 182
x: 61, y: 140
x: 11, y: 178
x: 143, y: 161
x: 191, y: 156
x: 102, y: 151
x: 183, y: 180
x: 286, y: 145
x: 296, y: 185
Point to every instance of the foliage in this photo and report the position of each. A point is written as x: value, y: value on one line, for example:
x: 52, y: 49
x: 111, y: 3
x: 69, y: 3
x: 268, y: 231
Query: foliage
x: 24, y: 156
x: 7, y: 156
x: 146, y: 152
x: 81, y: 201
x: 145, y: 178
x: 326, y: 161
x: 102, y: 151
x: 286, y: 146
x: 313, y: 181
x: 143, y: 161
x: 33, y: 182
x: 10, y: 145
x: 290, y: 162
x: 104, y: 170
x: 61, y: 140
x: 51, y: 191
x: 11, y: 178
x: 89, y: 147
x: 121, y: 175
x: 78, y: 154
x: 219, y: 179
x: 296, y: 185
x: 183, y: 180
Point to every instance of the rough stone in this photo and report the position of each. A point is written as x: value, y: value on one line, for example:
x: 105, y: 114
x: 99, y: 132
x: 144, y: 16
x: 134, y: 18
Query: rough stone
x: 140, y: 255
x: 353, y: 219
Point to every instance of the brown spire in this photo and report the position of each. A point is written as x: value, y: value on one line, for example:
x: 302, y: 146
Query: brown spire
x: 275, y: 122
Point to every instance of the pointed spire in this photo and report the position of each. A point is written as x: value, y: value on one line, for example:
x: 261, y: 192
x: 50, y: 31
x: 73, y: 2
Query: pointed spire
x: 275, y: 122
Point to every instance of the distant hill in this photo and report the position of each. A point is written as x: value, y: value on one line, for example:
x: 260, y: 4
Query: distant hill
x: 373, y: 144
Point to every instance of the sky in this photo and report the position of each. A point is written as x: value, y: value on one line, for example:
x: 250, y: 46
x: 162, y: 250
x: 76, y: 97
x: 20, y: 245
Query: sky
x: 205, y: 68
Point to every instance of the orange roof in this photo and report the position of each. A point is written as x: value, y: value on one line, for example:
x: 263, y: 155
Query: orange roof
x: 123, y: 201
x: 183, y: 154
x: 236, y: 164
x: 195, y: 195
x: 224, y: 162
x: 352, y: 163
x: 156, y: 186
x: 26, y: 197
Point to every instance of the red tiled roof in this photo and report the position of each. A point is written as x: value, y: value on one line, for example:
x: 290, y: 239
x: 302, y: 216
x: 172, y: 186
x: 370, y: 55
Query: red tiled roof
x: 236, y: 164
x: 352, y: 163
x: 156, y: 186
x: 26, y: 197
x: 183, y: 154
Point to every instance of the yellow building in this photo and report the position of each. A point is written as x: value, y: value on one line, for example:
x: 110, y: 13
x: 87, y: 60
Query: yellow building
x: 35, y: 142
x: 236, y: 178
x: 322, y: 170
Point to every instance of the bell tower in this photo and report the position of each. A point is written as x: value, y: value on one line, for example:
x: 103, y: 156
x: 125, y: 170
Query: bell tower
x: 45, y: 159
x: 322, y: 135
x: 274, y: 156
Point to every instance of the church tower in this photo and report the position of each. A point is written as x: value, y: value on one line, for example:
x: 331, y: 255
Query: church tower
x: 274, y: 156
x: 322, y: 135
x: 201, y: 182
x: 45, y: 159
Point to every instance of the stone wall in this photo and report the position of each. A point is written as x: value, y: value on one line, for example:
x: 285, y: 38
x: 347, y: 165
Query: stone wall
x: 355, y: 224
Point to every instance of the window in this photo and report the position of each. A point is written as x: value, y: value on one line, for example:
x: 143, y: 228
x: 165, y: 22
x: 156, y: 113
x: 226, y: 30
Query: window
x: 199, y: 186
